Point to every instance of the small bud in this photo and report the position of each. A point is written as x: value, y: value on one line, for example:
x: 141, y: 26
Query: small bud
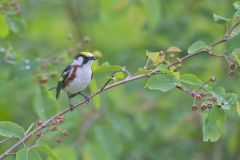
x: 172, y: 56
x: 179, y: 60
x: 39, y: 122
x: 87, y: 39
x: 38, y: 133
x: 212, y: 79
x: 194, y: 94
x: 214, y: 99
x: 66, y: 133
x: 161, y: 53
x: 58, y: 139
x: 194, y: 107
x: 232, y: 66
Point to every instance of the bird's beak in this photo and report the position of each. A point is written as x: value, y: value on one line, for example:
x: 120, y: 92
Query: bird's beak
x: 94, y: 58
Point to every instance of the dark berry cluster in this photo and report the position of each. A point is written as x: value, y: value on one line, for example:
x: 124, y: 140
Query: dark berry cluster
x: 10, y: 8
x: 203, y: 100
x: 54, y: 125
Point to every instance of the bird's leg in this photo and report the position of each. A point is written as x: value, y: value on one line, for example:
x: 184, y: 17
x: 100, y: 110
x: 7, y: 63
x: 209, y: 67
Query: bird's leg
x: 109, y: 80
x: 70, y: 105
x: 86, y: 97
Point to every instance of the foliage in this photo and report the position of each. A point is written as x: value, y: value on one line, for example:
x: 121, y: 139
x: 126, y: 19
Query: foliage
x: 126, y: 122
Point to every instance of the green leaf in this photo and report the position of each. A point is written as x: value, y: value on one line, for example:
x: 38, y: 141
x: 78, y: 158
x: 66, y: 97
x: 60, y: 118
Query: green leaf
x: 190, y: 79
x: 119, y: 75
x: 142, y: 71
x: 162, y: 82
x: 220, y: 19
x: 47, y: 150
x: 225, y: 100
x: 237, y: 14
x: 233, y: 43
x: 155, y: 57
x: 4, y: 31
x: 213, y: 123
x: 105, y: 67
x: 25, y: 154
x: 236, y: 56
x: 64, y: 152
x: 197, y: 46
x: 236, y: 5
x: 9, y: 129
x: 93, y: 87
x: 45, y: 103
x: 16, y: 24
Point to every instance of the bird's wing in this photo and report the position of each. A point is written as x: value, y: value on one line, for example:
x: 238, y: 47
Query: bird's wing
x: 64, y: 76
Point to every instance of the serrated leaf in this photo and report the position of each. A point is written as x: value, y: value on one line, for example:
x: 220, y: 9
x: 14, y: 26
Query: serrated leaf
x: 93, y: 87
x: 161, y: 82
x: 45, y: 103
x: 197, y: 46
x: 4, y: 31
x: 213, y: 123
x: 119, y: 75
x: 220, y: 19
x: 25, y: 154
x: 9, y: 129
x: 225, y: 100
x: 236, y: 5
x: 190, y: 79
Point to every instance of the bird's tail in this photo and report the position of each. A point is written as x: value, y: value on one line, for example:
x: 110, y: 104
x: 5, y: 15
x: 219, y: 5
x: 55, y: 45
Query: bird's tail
x: 58, y: 89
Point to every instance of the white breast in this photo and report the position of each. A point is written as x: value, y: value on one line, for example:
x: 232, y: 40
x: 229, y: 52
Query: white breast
x: 81, y: 81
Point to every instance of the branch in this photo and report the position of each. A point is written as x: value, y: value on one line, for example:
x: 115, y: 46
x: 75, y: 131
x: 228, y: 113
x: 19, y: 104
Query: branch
x: 107, y: 87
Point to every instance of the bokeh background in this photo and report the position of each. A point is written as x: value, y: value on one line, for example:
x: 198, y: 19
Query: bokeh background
x: 128, y: 122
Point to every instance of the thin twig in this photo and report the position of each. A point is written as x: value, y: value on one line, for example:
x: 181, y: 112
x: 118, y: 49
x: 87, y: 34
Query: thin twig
x: 7, y: 139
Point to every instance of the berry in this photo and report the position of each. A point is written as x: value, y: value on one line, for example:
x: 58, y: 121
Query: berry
x: 231, y: 73
x: 66, y: 133
x: 212, y: 79
x: 38, y: 133
x: 232, y: 66
x: 198, y: 97
x: 203, y: 107
x: 203, y: 94
x: 194, y: 107
x: 194, y: 94
x: 58, y: 139
x: 214, y: 99
x: 209, y: 105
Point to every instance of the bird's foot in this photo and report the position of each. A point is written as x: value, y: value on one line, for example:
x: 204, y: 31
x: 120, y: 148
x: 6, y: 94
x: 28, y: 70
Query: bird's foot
x: 87, y: 99
x: 71, y: 106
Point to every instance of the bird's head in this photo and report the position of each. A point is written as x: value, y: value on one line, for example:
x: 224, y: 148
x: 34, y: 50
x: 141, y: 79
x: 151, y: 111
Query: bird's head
x: 84, y: 58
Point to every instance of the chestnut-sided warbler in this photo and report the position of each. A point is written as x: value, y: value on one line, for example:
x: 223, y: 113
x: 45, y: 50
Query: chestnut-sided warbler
x: 76, y: 76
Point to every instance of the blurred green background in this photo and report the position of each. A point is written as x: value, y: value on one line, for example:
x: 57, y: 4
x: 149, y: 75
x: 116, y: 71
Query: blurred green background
x: 131, y: 122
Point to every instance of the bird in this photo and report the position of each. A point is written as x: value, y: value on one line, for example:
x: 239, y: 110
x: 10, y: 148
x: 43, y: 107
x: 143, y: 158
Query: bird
x: 76, y: 76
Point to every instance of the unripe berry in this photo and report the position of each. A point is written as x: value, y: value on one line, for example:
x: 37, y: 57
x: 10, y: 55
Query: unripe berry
x: 231, y: 73
x: 58, y: 139
x: 232, y: 66
x: 203, y: 107
x: 213, y: 79
x: 209, y: 105
x: 214, y: 99
x: 203, y: 94
x: 66, y: 133
x: 194, y: 107
x: 38, y: 133
x: 198, y: 97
